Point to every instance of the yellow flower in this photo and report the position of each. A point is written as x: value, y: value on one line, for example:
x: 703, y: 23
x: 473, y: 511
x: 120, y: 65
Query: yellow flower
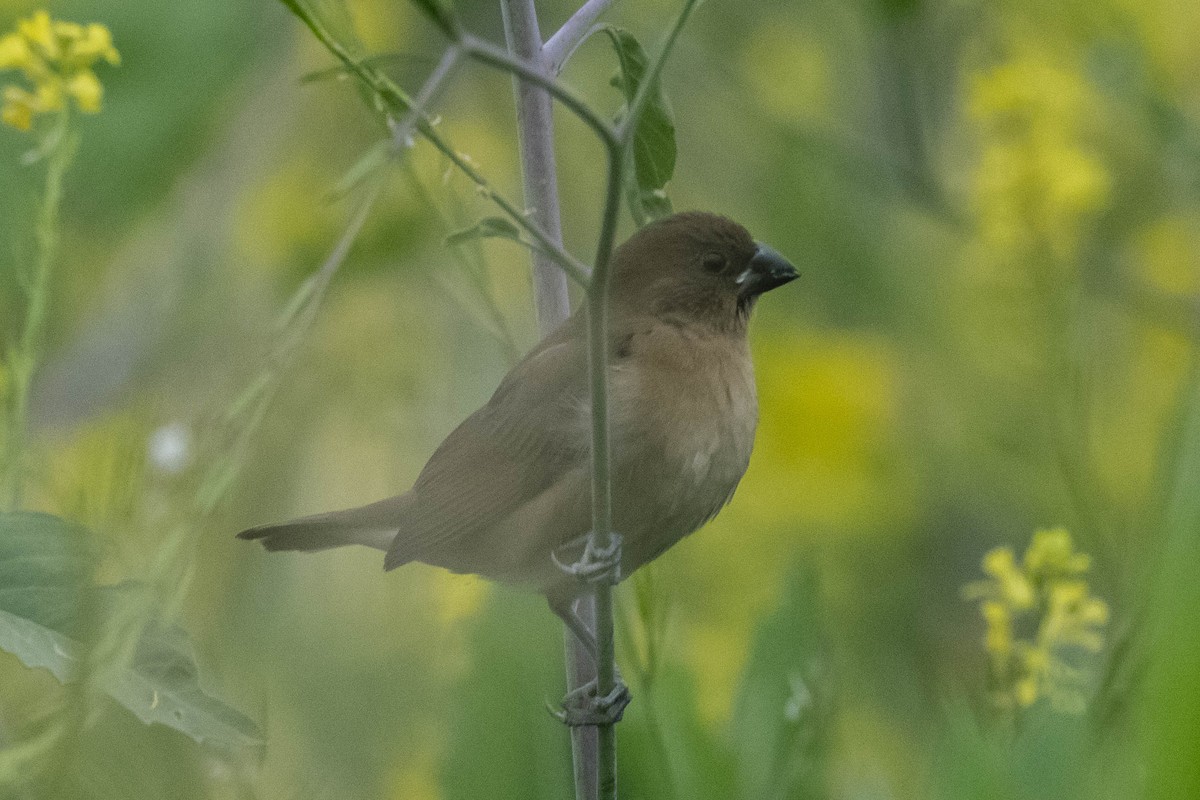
x: 1047, y: 596
x: 1014, y: 588
x: 56, y: 59
x: 1037, y: 185
x: 38, y: 30
x: 17, y: 110
x: 14, y: 51
x: 96, y: 43
x: 86, y: 89
x: 1051, y: 554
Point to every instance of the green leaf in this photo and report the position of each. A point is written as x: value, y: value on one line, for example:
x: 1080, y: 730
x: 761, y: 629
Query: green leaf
x: 46, y: 567
x: 45, y: 563
x: 440, y: 15
x: 367, y: 165
x: 162, y: 684
x: 654, y: 148
x: 487, y: 228
x: 781, y: 723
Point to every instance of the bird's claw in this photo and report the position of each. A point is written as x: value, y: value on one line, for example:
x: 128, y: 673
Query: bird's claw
x: 583, y: 707
x: 595, y: 565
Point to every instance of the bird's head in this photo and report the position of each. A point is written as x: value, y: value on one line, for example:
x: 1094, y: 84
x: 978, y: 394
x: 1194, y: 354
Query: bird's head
x: 698, y: 267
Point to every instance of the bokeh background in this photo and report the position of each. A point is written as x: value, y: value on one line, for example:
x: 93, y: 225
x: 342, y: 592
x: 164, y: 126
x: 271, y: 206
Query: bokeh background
x: 996, y: 210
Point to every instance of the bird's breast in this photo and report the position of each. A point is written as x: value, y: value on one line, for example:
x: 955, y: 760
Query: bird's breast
x: 684, y: 415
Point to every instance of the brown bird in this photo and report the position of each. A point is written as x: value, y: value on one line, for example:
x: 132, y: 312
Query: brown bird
x: 508, y: 493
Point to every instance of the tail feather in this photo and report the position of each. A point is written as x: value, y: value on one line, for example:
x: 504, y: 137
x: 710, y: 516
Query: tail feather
x: 374, y: 525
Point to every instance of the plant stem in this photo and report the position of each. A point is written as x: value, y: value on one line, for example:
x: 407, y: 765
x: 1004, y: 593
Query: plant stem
x: 601, y: 483
x: 402, y: 129
x: 494, y: 56
x: 535, y: 125
x: 535, y: 128
x: 23, y: 357
x: 560, y: 46
x: 398, y: 103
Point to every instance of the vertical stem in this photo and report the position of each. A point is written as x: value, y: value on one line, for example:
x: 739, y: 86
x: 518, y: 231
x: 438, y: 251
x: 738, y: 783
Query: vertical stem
x: 601, y: 483
x: 535, y: 123
x: 22, y: 361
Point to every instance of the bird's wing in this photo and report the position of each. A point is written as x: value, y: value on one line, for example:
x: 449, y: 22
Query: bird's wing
x: 531, y: 433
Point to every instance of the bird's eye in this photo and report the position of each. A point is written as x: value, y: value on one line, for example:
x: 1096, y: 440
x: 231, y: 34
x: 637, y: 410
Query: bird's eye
x: 713, y: 262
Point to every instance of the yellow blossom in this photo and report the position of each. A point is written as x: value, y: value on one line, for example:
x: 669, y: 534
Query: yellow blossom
x: 86, y: 89
x: 1037, y: 184
x: 38, y: 30
x: 1050, y: 554
x: 17, y: 110
x: 1046, y: 596
x: 14, y: 51
x: 55, y: 59
x: 1014, y: 587
x: 96, y: 42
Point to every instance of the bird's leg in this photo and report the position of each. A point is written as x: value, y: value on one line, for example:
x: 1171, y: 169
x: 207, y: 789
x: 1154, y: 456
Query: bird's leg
x: 596, y: 565
x: 584, y: 707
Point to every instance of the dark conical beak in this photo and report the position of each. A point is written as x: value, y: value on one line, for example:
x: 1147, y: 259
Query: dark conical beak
x: 767, y: 270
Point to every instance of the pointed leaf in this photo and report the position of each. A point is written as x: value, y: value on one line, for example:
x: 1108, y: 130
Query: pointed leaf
x: 487, y: 228
x: 46, y: 564
x: 654, y: 148
x: 162, y: 684
x: 780, y: 721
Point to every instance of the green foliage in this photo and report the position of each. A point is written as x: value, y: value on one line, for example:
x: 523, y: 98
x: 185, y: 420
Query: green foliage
x: 1172, y: 715
x: 50, y: 617
x: 995, y: 215
x: 782, y: 725
x: 654, y: 149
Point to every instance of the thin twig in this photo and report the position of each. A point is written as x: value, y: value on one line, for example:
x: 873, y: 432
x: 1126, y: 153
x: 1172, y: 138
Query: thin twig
x: 400, y: 104
x: 402, y: 129
x: 560, y: 46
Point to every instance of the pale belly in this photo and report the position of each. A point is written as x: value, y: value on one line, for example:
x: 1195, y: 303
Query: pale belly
x: 675, y: 470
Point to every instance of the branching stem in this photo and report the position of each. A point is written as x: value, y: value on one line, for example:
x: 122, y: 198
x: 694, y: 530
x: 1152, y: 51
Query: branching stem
x: 560, y: 46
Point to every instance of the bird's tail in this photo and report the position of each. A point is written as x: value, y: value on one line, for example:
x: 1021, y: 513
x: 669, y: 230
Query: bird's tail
x: 374, y: 525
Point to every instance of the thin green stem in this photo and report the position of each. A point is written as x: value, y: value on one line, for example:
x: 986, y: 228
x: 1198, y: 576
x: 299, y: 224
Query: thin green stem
x: 23, y: 357
x: 601, y: 460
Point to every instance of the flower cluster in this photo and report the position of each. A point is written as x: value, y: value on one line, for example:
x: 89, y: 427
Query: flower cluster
x: 1037, y: 184
x: 56, y: 60
x: 1036, y: 611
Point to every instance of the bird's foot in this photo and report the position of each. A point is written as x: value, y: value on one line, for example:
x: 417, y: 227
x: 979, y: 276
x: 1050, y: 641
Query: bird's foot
x: 584, y: 707
x: 596, y: 564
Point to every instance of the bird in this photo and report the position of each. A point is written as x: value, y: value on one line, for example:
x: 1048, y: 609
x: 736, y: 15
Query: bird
x: 507, y: 494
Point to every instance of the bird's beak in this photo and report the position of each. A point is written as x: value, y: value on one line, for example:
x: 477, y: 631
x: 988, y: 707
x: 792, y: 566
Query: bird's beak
x: 767, y: 270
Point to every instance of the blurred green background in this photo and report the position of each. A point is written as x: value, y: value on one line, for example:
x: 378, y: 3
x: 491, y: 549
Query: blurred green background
x: 996, y: 210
